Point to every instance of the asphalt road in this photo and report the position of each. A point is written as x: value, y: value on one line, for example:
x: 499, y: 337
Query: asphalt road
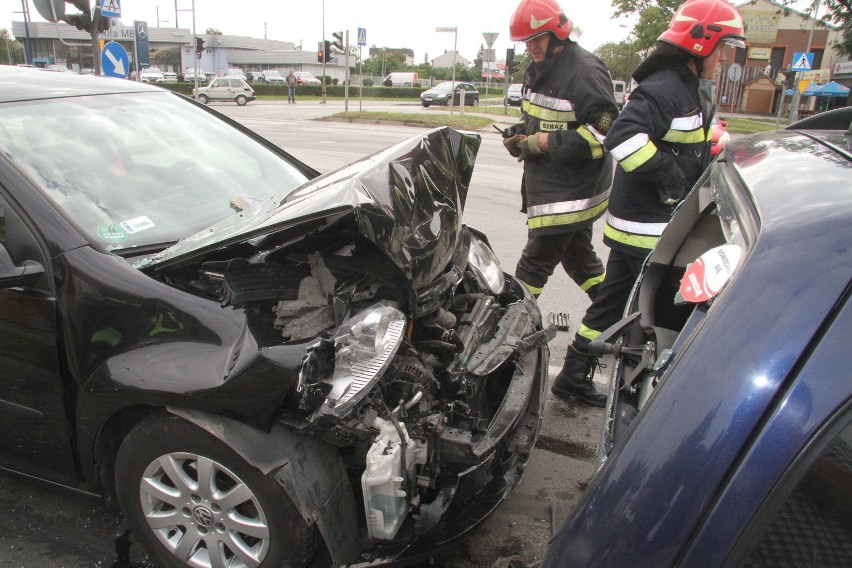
x: 44, y: 526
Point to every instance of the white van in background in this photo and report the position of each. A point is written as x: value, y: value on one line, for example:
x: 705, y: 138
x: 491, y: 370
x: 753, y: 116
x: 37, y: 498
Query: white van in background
x: 400, y: 79
x: 619, y: 89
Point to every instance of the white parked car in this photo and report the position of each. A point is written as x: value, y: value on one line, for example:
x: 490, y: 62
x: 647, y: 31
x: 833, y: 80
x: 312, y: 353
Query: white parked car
x: 272, y: 76
x: 152, y: 75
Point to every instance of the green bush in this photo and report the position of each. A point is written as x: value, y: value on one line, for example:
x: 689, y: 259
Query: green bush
x: 367, y: 82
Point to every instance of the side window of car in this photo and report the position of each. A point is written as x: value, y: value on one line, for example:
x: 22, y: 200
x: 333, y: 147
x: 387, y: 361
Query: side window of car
x: 813, y: 525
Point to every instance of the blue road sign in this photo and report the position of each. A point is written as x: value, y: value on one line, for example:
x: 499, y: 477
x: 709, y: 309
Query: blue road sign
x: 362, y: 36
x: 114, y: 60
x: 803, y: 61
x: 111, y: 8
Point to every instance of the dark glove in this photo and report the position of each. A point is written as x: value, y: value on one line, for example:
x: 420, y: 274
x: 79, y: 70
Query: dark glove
x: 513, y: 144
x: 529, y: 147
x: 672, y: 193
x: 513, y: 130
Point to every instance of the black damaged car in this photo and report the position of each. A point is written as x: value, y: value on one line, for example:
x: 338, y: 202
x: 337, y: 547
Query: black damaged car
x: 260, y: 365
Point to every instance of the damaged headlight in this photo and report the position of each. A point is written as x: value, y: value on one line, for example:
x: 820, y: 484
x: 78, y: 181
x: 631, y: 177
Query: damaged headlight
x: 483, y: 262
x: 364, y: 346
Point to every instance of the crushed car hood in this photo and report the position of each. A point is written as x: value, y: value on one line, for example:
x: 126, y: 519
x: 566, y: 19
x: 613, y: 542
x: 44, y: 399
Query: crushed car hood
x: 407, y: 199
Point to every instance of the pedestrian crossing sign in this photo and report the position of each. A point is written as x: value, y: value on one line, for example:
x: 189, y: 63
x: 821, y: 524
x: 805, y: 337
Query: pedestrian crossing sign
x: 803, y: 62
x: 111, y: 8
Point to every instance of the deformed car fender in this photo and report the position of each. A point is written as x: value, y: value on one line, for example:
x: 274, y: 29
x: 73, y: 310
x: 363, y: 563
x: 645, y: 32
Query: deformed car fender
x: 308, y: 469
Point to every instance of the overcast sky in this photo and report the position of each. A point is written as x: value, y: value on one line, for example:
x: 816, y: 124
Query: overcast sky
x: 390, y: 23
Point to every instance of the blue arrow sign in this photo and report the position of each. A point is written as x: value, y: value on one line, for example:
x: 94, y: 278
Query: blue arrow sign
x: 362, y: 36
x: 114, y: 60
x: 803, y: 61
x: 111, y: 8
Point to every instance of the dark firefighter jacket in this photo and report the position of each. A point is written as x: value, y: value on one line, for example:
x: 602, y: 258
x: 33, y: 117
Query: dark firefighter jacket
x: 568, y: 95
x: 661, y: 144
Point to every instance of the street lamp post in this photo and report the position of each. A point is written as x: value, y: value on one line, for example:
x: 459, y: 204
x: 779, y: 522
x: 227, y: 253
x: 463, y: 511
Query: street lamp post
x: 455, y: 32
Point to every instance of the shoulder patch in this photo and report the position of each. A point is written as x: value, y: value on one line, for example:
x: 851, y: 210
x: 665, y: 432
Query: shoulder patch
x: 604, y: 122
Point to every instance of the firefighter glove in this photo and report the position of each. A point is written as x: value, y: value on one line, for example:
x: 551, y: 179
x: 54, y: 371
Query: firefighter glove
x: 513, y: 144
x: 672, y: 193
x: 529, y: 147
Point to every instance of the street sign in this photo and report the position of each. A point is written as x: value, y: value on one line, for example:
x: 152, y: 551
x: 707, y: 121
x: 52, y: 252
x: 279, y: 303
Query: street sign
x: 735, y: 72
x: 114, y: 60
x: 362, y: 36
x: 489, y: 38
x: 803, y: 61
x: 111, y: 8
x: 143, y: 53
x: 445, y: 29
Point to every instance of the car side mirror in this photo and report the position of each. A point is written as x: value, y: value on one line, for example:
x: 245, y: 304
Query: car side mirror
x: 12, y: 276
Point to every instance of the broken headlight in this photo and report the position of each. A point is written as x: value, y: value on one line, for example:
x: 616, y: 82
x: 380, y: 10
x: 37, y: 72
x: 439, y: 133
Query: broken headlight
x: 484, y: 264
x: 364, y: 346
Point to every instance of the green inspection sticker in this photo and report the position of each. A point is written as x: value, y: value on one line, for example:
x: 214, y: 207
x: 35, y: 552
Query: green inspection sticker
x: 112, y: 233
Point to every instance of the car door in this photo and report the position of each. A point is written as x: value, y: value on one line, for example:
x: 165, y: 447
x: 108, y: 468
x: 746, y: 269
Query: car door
x: 35, y: 437
x: 220, y: 89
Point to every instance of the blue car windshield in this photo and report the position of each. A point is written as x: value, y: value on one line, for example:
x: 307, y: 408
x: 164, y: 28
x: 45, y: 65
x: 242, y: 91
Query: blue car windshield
x: 140, y: 169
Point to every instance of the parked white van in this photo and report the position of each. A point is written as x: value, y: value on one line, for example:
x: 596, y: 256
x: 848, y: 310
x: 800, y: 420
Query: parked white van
x: 619, y: 89
x: 401, y: 79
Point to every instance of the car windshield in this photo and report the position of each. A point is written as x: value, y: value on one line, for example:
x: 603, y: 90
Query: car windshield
x: 443, y: 87
x: 515, y: 88
x: 140, y: 170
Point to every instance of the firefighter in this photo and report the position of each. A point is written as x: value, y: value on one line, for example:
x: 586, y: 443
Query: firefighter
x: 661, y: 144
x: 567, y: 109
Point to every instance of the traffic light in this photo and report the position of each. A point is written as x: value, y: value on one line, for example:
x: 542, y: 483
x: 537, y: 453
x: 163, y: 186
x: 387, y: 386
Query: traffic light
x: 337, y: 45
x: 87, y: 20
x: 199, y: 46
x: 512, y: 66
x: 789, y: 78
x: 321, y: 52
x: 327, y: 50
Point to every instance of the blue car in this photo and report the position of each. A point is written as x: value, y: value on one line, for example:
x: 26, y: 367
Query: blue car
x: 728, y: 430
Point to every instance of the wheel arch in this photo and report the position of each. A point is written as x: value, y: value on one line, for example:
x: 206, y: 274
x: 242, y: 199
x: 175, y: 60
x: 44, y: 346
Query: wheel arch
x: 308, y: 469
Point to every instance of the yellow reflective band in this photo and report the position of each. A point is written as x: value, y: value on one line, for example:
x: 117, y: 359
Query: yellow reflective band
x: 638, y: 157
x: 533, y: 290
x: 681, y: 137
x: 594, y: 146
x: 709, y: 137
x: 551, y: 115
x: 588, y: 333
x: 566, y: 218
x: 592, y: 282
x: 638, y: 241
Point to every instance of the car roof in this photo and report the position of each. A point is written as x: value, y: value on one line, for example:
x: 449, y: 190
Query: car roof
x: 26, y: 84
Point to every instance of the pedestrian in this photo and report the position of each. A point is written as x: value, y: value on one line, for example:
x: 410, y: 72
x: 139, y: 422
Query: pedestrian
x: 567, y: 108
x: 291, y: 87
x: 661, y: 143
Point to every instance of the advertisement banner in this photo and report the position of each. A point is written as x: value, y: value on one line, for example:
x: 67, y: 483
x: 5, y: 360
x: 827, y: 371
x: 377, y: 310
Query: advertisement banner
x: 761, y: 26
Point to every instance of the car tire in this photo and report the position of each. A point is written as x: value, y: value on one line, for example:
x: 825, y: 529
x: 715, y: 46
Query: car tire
x: 242, y: 100
x: 475, y: 102
x: 448, y: 102
x: 425, y: 105
x: 241, y: 515
x: 203, y: 99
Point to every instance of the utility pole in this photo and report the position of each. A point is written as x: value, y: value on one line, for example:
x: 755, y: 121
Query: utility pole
x: 794, y: 104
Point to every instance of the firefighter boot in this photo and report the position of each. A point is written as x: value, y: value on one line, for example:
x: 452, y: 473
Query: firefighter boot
x: 575, y: 379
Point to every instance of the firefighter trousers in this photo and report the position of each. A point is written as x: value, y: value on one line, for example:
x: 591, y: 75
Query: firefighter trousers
x: 574, y: 251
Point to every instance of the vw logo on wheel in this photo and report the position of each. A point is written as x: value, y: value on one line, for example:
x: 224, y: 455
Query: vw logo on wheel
x: 202, y: 516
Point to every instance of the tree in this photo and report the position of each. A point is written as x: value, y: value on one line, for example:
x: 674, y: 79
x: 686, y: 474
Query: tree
x: 621, y: 59
x: 212, y: 31
x: 11, y: 50
x: 837, y: 12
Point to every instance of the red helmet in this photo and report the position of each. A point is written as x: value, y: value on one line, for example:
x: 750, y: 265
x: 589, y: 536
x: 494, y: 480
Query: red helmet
x: 533, y: 18
x: 699, y: 25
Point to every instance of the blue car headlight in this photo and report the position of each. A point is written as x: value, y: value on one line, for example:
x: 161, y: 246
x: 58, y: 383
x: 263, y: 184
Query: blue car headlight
x: 484, y: 264
x: 363, y: 348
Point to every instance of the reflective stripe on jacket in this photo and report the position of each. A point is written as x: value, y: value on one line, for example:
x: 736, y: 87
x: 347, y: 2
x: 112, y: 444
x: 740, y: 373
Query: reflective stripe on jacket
x: 569, y: 96
x: 660, y: 140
